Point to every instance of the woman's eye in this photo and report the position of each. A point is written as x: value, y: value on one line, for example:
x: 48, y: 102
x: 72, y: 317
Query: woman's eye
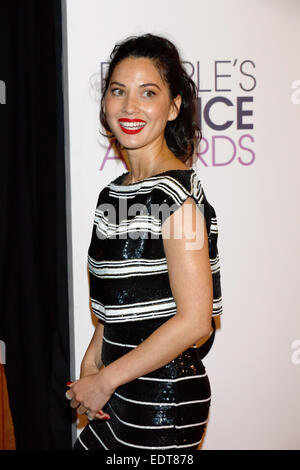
x: 116, y: 90
x: 151, y: 92
x: 119, y: 92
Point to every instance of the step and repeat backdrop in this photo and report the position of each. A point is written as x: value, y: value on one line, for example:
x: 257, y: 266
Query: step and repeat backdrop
x: 244, y: 58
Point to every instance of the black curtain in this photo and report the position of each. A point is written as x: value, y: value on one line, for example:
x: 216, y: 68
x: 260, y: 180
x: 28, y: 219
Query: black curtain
x: 34, y: 321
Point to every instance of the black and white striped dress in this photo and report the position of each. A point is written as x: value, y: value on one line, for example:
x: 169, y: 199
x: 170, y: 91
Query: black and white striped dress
x: 130, y: 292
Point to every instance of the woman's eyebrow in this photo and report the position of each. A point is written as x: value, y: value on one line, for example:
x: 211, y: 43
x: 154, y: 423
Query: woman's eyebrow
x: 150, y: 84
x: 143, y: 85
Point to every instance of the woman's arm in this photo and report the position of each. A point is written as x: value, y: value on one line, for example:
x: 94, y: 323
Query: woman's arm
x: 190, y: 276
x: 187, y: 255
x: 91, y: 362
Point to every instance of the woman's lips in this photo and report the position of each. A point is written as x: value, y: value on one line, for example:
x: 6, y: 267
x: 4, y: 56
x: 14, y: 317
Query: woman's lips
x: 131, y: 126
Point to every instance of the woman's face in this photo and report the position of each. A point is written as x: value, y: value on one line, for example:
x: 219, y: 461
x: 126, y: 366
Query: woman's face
x: 137, y: 103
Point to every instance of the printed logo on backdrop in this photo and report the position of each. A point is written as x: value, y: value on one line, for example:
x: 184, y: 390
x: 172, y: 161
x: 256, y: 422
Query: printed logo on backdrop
x: 226, y: 114
x: 225, y: 110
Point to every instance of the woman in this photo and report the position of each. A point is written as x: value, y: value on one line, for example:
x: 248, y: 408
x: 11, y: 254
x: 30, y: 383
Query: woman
x: 143, y: 384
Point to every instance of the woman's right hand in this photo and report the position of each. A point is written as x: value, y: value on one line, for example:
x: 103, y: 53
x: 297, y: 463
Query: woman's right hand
x: 89, y: 369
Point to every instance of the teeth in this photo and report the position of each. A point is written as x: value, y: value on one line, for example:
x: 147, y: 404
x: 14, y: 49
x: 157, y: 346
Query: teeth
x: 131, y: 125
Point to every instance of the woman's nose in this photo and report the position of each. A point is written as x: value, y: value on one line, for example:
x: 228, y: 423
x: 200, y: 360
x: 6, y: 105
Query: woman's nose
x: 130, y: 103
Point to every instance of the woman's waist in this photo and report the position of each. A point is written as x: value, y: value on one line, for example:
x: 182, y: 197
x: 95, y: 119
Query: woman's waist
x: 119, y: 340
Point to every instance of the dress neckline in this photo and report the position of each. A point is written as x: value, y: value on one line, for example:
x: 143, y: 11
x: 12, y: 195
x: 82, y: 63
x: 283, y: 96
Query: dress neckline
x: 123, y: 175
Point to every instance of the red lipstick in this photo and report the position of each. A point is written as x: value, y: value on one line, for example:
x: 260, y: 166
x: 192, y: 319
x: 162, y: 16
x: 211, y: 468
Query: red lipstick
x: 131, y: 126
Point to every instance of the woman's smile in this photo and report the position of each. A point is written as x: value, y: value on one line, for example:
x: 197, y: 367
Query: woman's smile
x: 131, y: 126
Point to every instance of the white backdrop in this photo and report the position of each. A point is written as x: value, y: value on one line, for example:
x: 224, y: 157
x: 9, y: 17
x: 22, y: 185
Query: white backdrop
x: 245, y: 54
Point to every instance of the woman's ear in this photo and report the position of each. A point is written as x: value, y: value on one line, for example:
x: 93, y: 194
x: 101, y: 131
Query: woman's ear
x: 175, y: 108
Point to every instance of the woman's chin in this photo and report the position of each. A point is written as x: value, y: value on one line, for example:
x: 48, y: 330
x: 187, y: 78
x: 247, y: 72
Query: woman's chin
x: 130, y: 145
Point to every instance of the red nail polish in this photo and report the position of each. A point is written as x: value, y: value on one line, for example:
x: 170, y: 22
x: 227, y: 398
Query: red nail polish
x: 100, y: 412
x: 106, y: 417
x: 69, y: 383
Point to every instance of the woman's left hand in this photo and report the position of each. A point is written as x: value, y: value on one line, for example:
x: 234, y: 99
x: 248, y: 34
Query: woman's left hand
x: 89, y: 394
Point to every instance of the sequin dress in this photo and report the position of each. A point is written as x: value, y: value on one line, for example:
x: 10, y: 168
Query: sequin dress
x: 130, y: 292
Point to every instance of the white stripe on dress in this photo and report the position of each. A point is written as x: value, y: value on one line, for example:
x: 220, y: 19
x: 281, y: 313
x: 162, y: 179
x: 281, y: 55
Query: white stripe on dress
x: 128, y: 345
x: 96, y: 435
x: 151, y: 403
x: 130, y: 319
x: 83, y: 445
x: 132, y: 267
x: 137, y: 311
x: 169, y: 426
x: 150, y: 447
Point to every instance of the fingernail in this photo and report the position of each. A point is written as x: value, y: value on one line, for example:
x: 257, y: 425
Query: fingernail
x: 69, y: 383
x: 106, y: 417
x: 100, y: 412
